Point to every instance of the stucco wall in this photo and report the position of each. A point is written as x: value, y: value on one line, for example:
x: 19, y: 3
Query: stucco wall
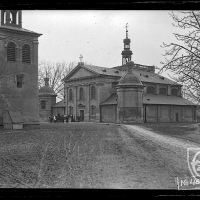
x: 24, y: 99
x: 169, y: 113
x: 104, y: 88
x: 108, y: 113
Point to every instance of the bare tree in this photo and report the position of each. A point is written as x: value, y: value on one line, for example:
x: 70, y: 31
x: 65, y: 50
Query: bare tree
x: 55, y: 72
x: 183, y: 57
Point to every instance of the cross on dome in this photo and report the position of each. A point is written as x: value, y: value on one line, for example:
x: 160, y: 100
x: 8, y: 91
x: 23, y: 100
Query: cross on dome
x: 126, y: 30
x: 81, y: 58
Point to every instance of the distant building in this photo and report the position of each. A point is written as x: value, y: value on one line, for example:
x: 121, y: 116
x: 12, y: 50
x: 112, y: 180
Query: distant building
x: 47, y: 98
x: 19, y: 59
x: 125, y: 94
x: 58, y: 108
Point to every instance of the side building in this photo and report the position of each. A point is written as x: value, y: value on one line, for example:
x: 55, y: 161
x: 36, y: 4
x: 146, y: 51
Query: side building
x: 125, y: 94
x: 18, y: 68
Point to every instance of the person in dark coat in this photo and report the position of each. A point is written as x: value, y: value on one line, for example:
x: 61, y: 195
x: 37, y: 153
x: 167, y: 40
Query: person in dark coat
x: 67, y: 118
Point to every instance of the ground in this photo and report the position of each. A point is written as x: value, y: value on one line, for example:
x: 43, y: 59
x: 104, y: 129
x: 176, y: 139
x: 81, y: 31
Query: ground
x: 92, y: 155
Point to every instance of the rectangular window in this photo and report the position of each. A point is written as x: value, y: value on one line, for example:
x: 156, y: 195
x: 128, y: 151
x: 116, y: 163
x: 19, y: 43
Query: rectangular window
x: 19, y: 81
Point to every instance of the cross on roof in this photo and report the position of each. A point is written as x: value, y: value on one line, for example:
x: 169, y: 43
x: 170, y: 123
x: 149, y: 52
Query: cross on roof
x: 126, y: 30
x: 126, y: 26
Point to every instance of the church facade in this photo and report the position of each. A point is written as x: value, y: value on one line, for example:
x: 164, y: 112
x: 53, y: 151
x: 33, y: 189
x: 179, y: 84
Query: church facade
x: 130, y: 93
x: 19, y: 68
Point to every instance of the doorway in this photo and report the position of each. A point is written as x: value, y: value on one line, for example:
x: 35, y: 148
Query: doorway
x: 81, y: 115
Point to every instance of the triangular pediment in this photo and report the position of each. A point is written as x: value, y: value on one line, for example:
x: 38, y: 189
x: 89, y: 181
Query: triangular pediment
x: 79, y: 72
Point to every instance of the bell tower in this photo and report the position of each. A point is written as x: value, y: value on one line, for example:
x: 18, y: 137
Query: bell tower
x: 126, y: 53
x: 11, y: 18
x: 18, y: 68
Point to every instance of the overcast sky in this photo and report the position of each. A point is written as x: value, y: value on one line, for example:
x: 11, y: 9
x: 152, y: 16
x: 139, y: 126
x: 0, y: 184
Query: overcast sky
x: 98, y: 34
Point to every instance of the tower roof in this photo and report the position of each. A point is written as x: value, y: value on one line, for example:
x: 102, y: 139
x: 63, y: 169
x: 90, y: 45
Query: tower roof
x: 130, y: 79
x: 46, y: 90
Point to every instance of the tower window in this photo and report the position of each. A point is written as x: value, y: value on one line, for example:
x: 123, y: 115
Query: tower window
x: 81, y: 94
x: 11, y: 52
x: 70, y: 95
x: 43, y: 104
x: 26, y: 54
x: 19, y: 81
x: 93, y: 92
x: 150, y: 90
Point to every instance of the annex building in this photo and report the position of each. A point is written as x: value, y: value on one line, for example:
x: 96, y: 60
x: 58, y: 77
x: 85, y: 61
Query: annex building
x: 18, y: 69
x: 125, y: 94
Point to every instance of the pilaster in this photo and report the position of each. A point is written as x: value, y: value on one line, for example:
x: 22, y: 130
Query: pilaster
x: 157, y: 88
x: 87, y: 108
x: 75, y: 101
x: 168, y: 90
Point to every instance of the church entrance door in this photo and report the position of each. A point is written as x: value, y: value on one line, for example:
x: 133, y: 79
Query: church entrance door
x: 81, y: 115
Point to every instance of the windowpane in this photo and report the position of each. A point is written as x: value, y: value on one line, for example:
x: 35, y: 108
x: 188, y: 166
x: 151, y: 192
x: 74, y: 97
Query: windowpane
x: 93, y: 92
x: 19, y: 81
x: 26, y: 54
x: 81, y: 94
x: 43, y: 104
x: 71, y: 111
x: 70, y: 95
x: 11, y: 53
x: 93, y: 111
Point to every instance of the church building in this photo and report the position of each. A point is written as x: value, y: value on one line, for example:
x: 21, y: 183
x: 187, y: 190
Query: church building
x: 18, y: 68
x: 129, y: 93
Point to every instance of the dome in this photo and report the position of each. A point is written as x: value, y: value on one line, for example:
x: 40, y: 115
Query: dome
x: 129, y: 78
x: 46, y: 89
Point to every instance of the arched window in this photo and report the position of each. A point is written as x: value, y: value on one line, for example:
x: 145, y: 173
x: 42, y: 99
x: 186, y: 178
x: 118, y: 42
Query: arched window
x: 150, y: 90
x: 43, y: 104
x: 11, y: 52
x: 70, y: 110
x: 70, y: 95
x: 26, y: 54
x: 174, y: 92
x: 81, y: 97
x: 93, y: 92
x: 163, y: 91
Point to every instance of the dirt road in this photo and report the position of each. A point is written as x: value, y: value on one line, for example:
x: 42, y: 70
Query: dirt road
x: 88, y: 155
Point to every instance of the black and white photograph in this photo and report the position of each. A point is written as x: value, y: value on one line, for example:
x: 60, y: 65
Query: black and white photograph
x: 100, y: 99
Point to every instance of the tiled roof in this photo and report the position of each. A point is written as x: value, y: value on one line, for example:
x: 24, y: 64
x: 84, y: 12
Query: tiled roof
x: 144, y: 76
x: 153, y: 99
x: 163, y: 99
x: 58, y: 104
x: 110, y: 100
x: 102, y: 70
x: 19, y: 29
